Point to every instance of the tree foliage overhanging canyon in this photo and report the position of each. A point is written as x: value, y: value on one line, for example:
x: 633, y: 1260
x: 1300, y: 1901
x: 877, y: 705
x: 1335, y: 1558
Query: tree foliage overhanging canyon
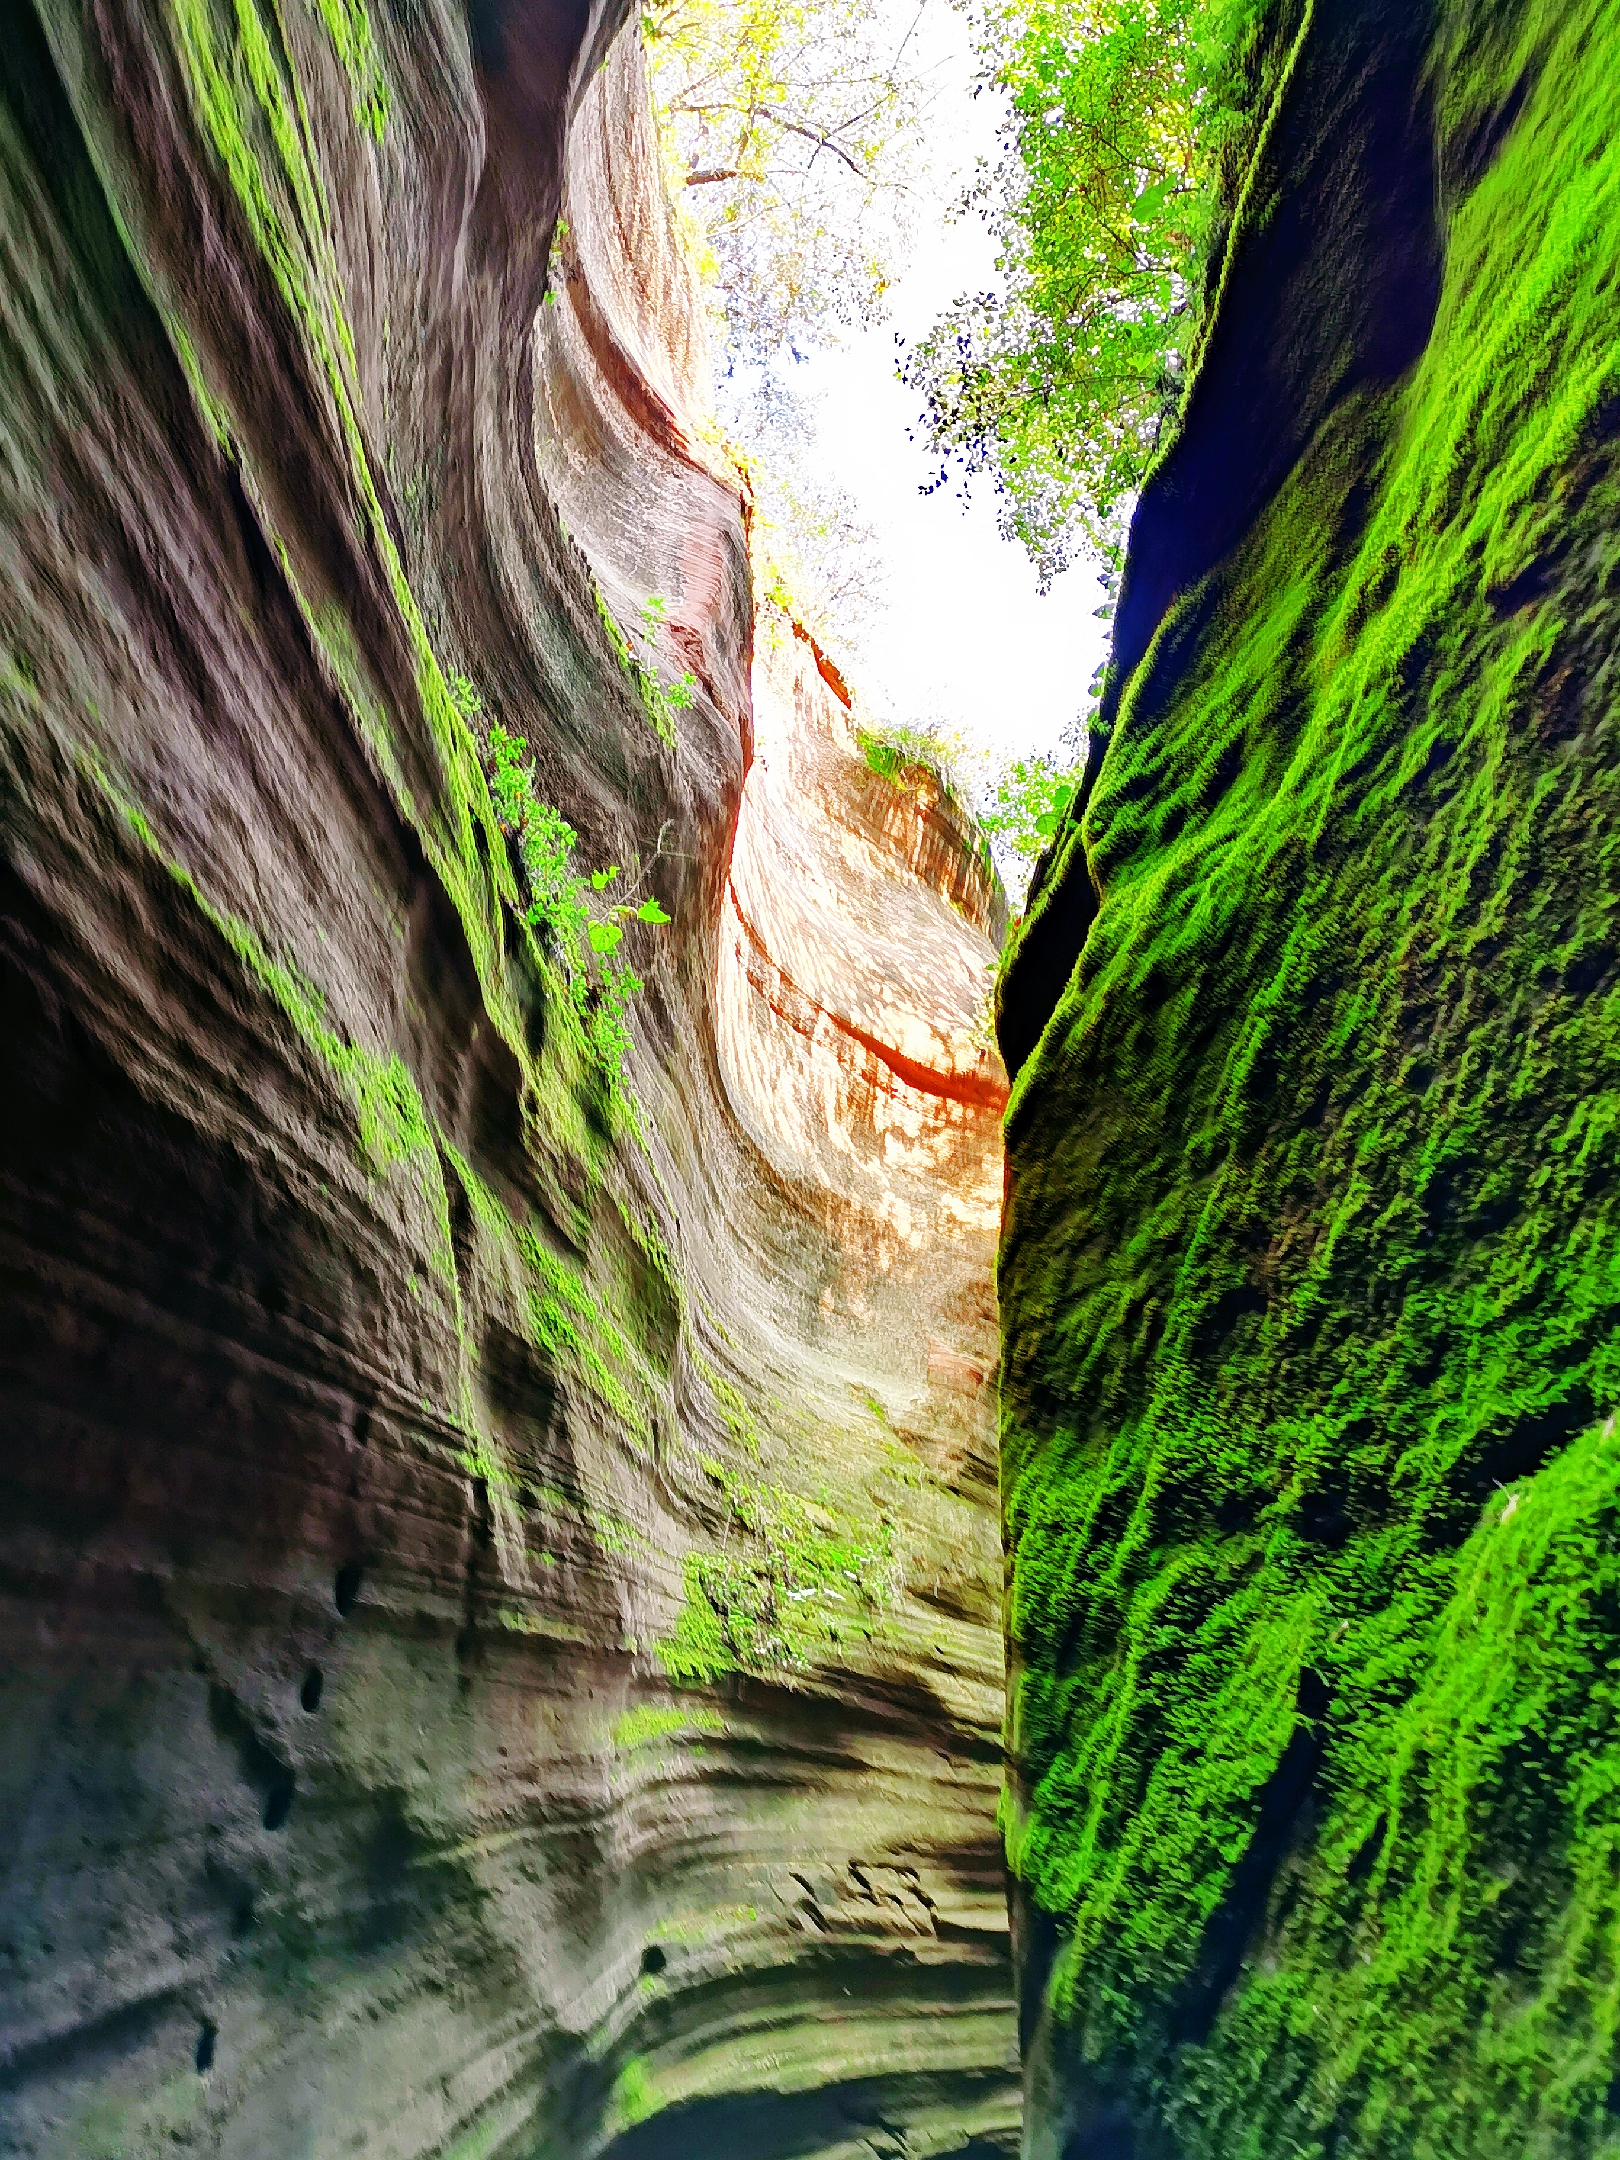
x: 504, y: 1546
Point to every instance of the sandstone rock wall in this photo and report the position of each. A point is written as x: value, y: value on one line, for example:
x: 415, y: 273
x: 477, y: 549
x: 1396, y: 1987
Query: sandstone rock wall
x: 1308, y: 1281
x: 500, y: 1645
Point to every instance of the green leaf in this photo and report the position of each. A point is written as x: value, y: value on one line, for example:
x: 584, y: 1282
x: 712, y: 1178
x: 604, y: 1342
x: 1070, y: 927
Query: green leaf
x: 1152, y: 200
x: 604, y: 936
x: 602, y: 879
x: 650, y: 911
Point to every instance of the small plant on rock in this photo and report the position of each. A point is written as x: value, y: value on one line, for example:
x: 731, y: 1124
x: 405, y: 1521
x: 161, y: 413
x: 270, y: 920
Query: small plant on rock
x: 584, y: 931
x: 893, y: 751
x: 660, y: 701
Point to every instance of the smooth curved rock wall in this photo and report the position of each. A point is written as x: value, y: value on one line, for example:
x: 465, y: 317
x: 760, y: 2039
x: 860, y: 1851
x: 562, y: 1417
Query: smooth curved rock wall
x: 500, y: 1645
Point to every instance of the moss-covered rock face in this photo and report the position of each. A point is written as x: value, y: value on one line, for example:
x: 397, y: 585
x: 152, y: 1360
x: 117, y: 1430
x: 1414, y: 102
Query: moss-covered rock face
x: 1310, y: 1276
x: 500, y: 1648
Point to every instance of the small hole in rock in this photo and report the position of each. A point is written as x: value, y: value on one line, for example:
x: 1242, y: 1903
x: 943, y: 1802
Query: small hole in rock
x: 205, y: 2046
x: 309, y: 1695
x: 653, y: 1959
x: 278, y: 1801
x: 346, y: 1590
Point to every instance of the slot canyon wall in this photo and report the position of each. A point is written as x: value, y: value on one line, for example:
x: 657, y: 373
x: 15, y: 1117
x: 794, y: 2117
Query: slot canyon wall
x: 1309, y: 1281
x: 500, y: 1646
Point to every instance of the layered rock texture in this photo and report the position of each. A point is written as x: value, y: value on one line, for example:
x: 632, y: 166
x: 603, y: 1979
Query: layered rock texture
x: 1309, y: 1282
x: 500, y: 1648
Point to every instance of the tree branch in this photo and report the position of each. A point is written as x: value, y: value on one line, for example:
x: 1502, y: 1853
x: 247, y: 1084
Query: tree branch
x: 822, y: 142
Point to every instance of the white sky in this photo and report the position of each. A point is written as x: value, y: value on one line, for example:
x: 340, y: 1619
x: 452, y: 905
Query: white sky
x: 965, y: 639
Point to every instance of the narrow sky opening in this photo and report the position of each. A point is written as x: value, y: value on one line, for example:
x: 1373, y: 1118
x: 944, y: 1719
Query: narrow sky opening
x: 964, y: 637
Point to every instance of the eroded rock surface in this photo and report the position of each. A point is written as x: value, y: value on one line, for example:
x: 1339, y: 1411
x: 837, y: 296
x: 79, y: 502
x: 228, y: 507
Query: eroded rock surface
x: 1308, y: 1282
x: 501, y: 1570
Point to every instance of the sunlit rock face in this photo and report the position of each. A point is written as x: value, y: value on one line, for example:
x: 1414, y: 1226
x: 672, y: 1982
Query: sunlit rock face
x: 501, y: 1640
x: 852, y: 997
x: 1310, y: 1390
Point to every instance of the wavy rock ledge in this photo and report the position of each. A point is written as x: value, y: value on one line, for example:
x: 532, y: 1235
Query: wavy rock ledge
x: 500, y: 1639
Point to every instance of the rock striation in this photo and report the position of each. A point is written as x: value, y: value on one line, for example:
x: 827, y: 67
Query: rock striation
x: 500, y: 1639
x: 1310, y: 1455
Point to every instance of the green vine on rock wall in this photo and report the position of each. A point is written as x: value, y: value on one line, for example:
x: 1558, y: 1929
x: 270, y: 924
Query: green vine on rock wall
x: 584, y: 931
x: 658, y: 702
x: 348, y: 24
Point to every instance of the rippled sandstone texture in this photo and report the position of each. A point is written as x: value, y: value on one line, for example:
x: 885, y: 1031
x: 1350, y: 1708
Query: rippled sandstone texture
x: 1309, y: 1281
x: 500, y: 1647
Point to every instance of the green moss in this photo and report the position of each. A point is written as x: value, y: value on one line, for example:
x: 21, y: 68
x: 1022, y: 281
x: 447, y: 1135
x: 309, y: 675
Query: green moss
x: 645, y: 1724
x: 17, y: 677
x: 735, y: 1414
x: 582, y: 925
x: 478, y: 2142
x: 214, y: 415
x: 1452, y: 1973
x: 348, y: 25
x: 615, y: 1533
x: 392, y: 1125
x: 660, y: 705
x: 1312, y: 1246
x: 705, y: 1927
x: 633, y: 2096
x: 112, y: 2124
x: 567, y: 1320
x: 776, y: 1598
x: 698, y: 1649
x: 392, y: 1122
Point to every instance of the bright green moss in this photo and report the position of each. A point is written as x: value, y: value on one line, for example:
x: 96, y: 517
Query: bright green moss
x: 392, y: 1122
x: 477, y: 2143
x: 566, y: 1319
x: 659, y: 704
x: 797, y: 1579
x: 251, y: 106
x: 1313, y: 1247
x: 732, y: 1404
x: 1447, y: 1967
x: 348, y: 24
x: 214, y: 415
x: 633, y: 2096
x: 646, y: 1723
